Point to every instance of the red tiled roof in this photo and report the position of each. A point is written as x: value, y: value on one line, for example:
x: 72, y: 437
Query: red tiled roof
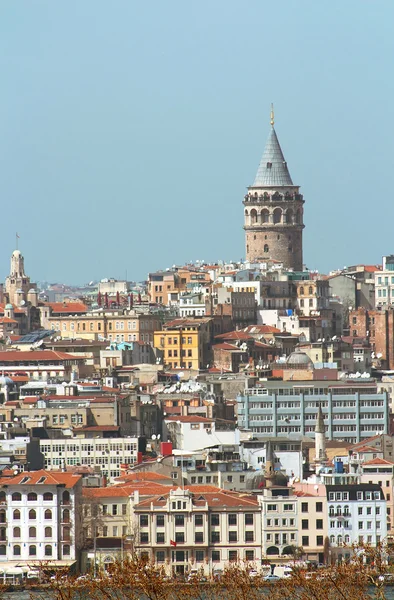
x: 67, y: 307
x: 20, y: 378
x: 261, y: 329
x: 226, y: 346
x: 14, y: 356
x: 378, y: 461
x: 51, y: 478
x: 214, y: 497
x: 7, y: 320
x: 189, y: 419
x: 144, y: 476
x: 233, y: 335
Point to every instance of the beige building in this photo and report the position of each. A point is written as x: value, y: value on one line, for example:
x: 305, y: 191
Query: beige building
x: 119, y: 325
x: 312, y: 524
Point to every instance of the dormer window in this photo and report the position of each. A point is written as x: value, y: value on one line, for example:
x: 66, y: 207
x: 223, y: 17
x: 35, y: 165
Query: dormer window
x: 269, y: 165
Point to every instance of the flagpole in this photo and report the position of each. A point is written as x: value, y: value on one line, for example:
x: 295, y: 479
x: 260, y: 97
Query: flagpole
x: 17, y: 238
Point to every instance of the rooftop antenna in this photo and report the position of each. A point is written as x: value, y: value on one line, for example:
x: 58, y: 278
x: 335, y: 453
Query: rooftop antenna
x: 272, y: 115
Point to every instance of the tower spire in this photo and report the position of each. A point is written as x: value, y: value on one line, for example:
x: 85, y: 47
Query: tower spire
x: 272, y: 115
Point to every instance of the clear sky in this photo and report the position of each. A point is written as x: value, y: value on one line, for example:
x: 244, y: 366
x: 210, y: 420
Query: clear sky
x: 129, y: 130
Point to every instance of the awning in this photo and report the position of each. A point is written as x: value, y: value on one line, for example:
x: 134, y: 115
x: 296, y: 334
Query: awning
x: 14, y: 571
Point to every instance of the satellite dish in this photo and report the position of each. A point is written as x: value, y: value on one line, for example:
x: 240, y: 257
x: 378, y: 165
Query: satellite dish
x: 22, y: 302
x: 154, y: 436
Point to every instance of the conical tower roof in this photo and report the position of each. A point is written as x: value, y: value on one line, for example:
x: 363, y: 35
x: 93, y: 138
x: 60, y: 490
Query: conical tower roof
x: 320, y: 428
x: 272, y: 169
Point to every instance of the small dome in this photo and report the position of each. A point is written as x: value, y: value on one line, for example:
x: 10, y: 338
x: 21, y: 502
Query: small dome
x: 6, y: 381
x: 19, y: 291
x: 299, y: 359
x: 16, y: 253
x: 9, y: 306
x: 32, y: 291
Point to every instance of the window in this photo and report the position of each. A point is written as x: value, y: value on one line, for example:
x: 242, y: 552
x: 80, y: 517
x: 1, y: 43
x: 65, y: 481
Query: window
x: 249, y: 519
x: 48, y: 532
x: 319, y: 540
x: 160, y: 556
x: 17, y: 532
x: 232, y: 519
x: 159, y: 520
x: 215, y: 555
x: 319, y: 506
x: 180, y: 537
x: 114, y: 510
x: 160, y: 538
x: 215, y: 537
x: 179, y: 520
x: 17, y: 515
x: 124, y: 509
x: 249, y: 555
x: 32, y: 532
x: 198, y: 537
x: 48, y: 514
x: 232, y: 555
x: 360, y: 510
x: 360, y: 524
x: 319, y: 523
x: 17, y: 550
x: 232, y: 536
x: 144, y: 538
x: 304, y: 507
x: 305, y: 524
x: 144, y: 521
x: 16, y: 497
x: 198, y: 520
x: 32, y: 514
x: 66, y: 550
x: 214, y: 519
x: 249, y: 536
x: 48, y: 497
x: 33, y: 550
x: 305, y: 540
x: 200, y: 555
x: 48, y: 550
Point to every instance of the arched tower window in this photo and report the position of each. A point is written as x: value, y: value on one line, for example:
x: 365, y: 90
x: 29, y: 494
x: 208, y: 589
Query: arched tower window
x: 266, y: 248
x: 265, y: 215
x: 298, y: 217
x: 289, y: 216
x: 253, y: 216
x: 310, y: 290
x: 277, y: 215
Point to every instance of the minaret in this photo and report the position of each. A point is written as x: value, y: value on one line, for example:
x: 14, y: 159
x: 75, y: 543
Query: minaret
x: 320, y: 440
x: 273, y: 210
x: 269, y: 470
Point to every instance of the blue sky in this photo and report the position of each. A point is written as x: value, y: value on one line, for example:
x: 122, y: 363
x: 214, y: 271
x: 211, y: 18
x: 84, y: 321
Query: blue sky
x: 130, y: 130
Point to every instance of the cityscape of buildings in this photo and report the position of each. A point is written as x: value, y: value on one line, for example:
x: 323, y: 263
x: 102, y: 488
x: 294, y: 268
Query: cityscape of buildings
x: 210, y: 414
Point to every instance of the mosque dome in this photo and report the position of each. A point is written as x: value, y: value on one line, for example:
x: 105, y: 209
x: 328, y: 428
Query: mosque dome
x: 16, y: 253
x: 32, y: 291
x: 5, y: 381
x: 299, y: 359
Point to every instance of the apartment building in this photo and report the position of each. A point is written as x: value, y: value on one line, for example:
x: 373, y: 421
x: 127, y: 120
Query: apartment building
x: 183, y: 530
x: 119, y: 325
x: 384, y: 283
x: 40, y: 364
x: 352, y: 411
x: 279, y: 521
x: 38, y: 518
x: 107, y: 454
x: 185, y: 343
x: 381, y: 472
x: 313, y: 524
x: 356, y: 514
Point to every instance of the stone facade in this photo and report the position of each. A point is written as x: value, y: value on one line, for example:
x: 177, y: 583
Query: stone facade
x: 273, y: 213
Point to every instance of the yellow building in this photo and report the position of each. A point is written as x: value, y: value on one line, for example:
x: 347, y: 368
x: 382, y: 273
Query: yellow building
x: 185, y: 343
x: 114, y: 325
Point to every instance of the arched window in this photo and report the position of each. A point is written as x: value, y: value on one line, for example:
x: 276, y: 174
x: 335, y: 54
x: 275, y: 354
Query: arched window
x: 66, y: 534
x: 32, y: 497
x: 32, y: 532
x: 66, y: 497
x: 289, y: 216
x: 16, y: 497
x: 3, y: 534
x: 48, y: 531
x: 339, y: 511
x: 310, y: 291
x: 339, y: 540
x: 302, y: 290
x: 253, y: 216
x: 2, y: 497
x: 298, y: 217
x: 332, y: 539
x: 347, y: 539
x: 66, y: 515
x: 17, y: 515
x: 33, y: 550
x: 3, y: 549
x: 48, y: 550
x: 16, y: 532
x: 17, y: 550
x: 32, y: 514
x: 48, y: 514
x: 266, y: 248
x: 277, y: 215
x: 48, y: 496
x: 66, y: 550
x: 346, y: 512
x: 272, y: 550
x: 265, y: 216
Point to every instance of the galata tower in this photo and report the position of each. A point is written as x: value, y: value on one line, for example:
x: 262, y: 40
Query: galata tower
x: 274, y: 211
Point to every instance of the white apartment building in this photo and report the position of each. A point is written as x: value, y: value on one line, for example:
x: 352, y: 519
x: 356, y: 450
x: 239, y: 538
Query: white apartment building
x: 184, y: 529
x: 356, y: 514
x: 106, y: 453
x: 384, y: 283
x: 38, y: 520
x: 193, y: 433
x: 192, y: 304
x: 280, y: 527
